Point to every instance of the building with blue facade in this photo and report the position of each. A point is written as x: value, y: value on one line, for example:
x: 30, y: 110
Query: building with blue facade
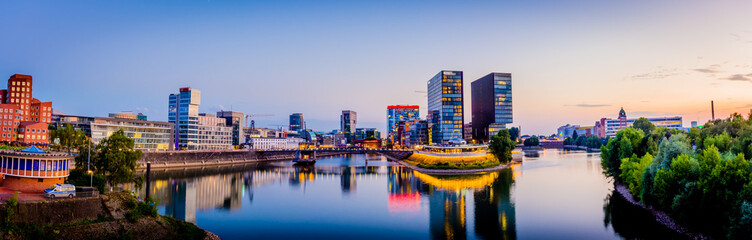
x: 296, y: 122
x: 445, y: 114
x: 395, y: 114
x: 491, y: 105
x: 194, y: 131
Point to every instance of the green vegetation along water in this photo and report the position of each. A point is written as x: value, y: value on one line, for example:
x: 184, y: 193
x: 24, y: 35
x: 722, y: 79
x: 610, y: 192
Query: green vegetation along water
x: 702, y: 179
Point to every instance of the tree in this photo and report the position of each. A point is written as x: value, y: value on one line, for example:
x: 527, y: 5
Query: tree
x: 116, y: 159
x: 514, y: 133
x: 632, y: 170
x: 532, y: 141
x: 643, y: 124
x: 68, y: 137
x: 619, y: 147
x: 575, y: 135
x: 501, y: 146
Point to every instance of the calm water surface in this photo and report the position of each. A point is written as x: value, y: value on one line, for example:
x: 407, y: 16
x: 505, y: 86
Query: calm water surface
x: 551, y: 195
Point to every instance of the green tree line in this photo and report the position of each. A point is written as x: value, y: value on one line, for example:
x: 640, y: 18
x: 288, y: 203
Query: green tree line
x: 702, y: 178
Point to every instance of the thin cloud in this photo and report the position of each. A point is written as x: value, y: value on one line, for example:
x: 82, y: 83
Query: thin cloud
x: 739, y: 77
x: 705, y: 70
x: 583, y: 105
x: 659, y: 73
x: 711, y: 70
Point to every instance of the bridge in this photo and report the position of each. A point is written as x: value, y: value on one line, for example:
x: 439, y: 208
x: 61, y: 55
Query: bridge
x: 178, y: 159
x: 337, y: 150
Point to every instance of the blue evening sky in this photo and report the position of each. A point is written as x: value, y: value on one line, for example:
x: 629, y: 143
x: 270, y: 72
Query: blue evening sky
x: 572, y: 61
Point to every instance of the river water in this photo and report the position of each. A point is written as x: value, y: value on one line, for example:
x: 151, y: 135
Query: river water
x: 552, y: 194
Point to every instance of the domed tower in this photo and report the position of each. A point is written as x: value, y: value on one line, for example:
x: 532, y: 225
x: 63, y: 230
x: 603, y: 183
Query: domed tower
x: 622, y: 119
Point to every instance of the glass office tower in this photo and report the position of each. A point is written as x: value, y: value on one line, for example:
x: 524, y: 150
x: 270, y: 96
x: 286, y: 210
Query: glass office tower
x: 183, y: 113
x: 445, y: 114
x: 395, y: 114
x: 491, y: 105
x: 348, y: 123
x: 296, y: 122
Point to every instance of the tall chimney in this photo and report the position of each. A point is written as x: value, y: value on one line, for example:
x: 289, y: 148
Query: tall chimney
x: 712, y: 110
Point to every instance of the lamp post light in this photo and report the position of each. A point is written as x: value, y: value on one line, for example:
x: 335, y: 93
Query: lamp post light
x: 88, y: 167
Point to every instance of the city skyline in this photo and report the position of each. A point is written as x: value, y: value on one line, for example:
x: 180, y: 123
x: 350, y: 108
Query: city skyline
x: 249, y: 57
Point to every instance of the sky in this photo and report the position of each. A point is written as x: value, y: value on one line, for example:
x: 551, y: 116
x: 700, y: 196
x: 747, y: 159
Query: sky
x: 572, y: 62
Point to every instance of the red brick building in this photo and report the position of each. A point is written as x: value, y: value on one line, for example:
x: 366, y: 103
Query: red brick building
x: 23, y: 118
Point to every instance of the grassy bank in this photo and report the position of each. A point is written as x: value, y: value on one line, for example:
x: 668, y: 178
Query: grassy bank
x: 452, y: 162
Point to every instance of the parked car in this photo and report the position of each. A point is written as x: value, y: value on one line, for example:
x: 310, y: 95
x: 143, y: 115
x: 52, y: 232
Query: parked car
x: 60, y: 190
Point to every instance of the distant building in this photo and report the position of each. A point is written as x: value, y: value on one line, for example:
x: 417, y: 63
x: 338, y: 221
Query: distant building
x: 128, y: 115
x: 147, y: 136
x: 418, y: 133
x: 367, y: 133
x: 194, y: 131
x: 491, y: 105
x: 566, y: 131
x: 296, y: 122
x: 694, y: 124
x: 213, y: 133
x: 333, y: 139
x: 397, y: 113
x: 348, y: 124
x: 609, y: 127
x: 234, y: 120
x: 275, y: 143
x: 468, y: 132
x: 445, y: 113
x: 309, y: 136
x: 24, y: 118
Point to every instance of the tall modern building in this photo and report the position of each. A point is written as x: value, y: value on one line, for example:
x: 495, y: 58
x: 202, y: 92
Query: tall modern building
x: 395, y: 114
x: 348, y: 123
x: 194, y: 131
x: 296, y: 122
x: 445, y: 114
x: 234, y: 120
x: 491, y: 104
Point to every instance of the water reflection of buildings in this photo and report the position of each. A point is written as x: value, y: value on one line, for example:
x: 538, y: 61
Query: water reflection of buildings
x: 494, y: 209
x: 182, y: 197
x: 494, y: 213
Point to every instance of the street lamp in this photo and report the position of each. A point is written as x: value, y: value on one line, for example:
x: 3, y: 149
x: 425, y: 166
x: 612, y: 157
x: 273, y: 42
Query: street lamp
x: 88, y: 168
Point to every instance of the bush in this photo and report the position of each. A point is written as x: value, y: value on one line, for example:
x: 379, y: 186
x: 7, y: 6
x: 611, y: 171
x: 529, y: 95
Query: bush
x: 138, y: 209
x: 632, y: 170
x: 80, y: 177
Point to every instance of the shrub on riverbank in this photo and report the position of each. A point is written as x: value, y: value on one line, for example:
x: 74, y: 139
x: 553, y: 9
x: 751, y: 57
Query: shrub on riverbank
x: 703, y: 178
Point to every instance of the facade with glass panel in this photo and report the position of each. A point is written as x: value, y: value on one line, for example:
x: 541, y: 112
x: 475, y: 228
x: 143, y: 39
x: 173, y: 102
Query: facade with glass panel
x: 348, y: 123
x: 192, y: 131
x: 296, y: 122
x: 445, y: 113
x: 491, y: 105
x: 395, y: 114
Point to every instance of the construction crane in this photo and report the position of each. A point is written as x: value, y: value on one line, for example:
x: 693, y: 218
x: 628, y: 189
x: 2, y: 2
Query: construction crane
x: 280, y: 126
x: 250, y: 123
x: 425, y: 94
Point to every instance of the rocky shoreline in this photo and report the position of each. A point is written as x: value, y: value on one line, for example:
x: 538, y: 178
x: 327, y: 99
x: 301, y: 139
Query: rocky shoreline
x: 660, y: 216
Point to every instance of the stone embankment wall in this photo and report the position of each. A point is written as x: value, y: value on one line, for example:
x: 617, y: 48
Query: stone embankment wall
x: 57, y: 212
